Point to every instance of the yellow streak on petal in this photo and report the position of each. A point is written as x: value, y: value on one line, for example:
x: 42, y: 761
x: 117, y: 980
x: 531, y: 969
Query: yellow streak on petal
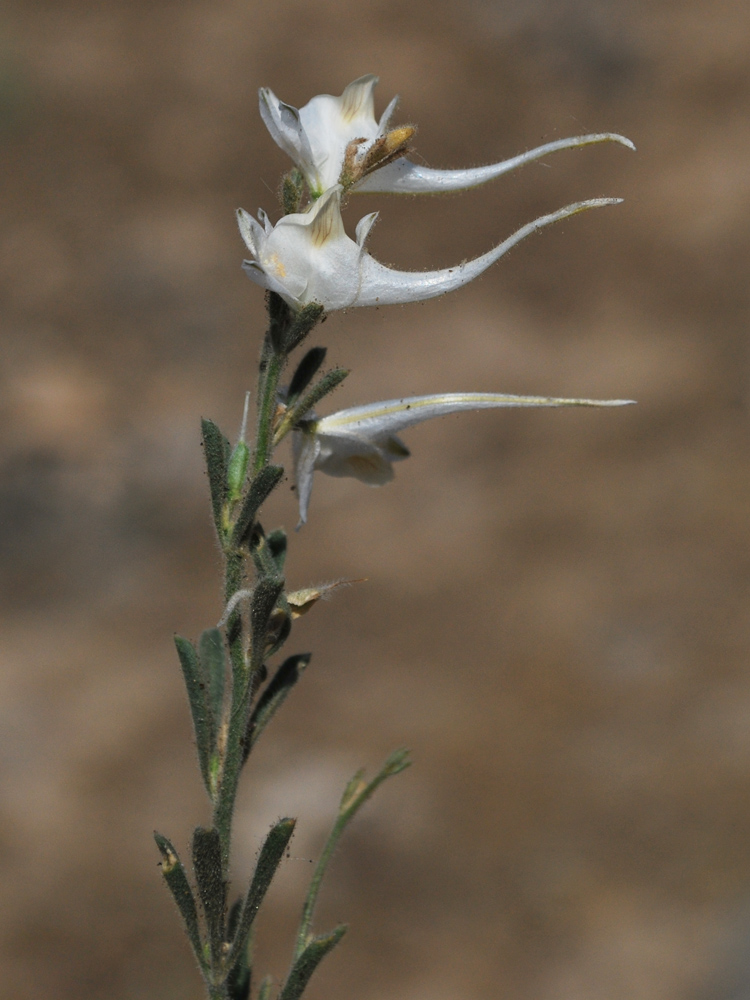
x: 276, y: 266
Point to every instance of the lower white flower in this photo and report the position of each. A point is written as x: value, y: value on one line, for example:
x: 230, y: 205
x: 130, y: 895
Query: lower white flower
x: 307, y: 257
x: 361, y: 442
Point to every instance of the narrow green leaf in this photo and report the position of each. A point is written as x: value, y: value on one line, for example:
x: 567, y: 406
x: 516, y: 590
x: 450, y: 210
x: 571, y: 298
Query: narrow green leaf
x: 327, y: 384
x: 292, y: 187
x: 211, y: 885
x: 177, y: 881
x: 306, y: 371
x: 304, y: 321
x: 304, y: 966
x: 258, y: 491
x: 279, y: 627
x: 216, y: 452
x: 239, y: 978
x: 268, y: 551
x: 264, y: 990
x: 274, y: 696
x: 260, y: 552
x: 356, y: 793
x: 280, y: 320
x: 213, y: 667
x: 270, y: 857
x: 199, y: 705
x: 238, y: 982
x: 277, y: 544
x: 266, y: 594
x: 236, y: 470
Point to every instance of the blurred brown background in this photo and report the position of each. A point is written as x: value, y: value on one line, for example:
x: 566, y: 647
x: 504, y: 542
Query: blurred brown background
x: 556, y: 618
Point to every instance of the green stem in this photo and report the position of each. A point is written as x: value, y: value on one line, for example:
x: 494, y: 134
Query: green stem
x: 303, y: 935
x: 356, y: 793
x: 232, y: 751
x: 242, y: 673
x: 266, y: 409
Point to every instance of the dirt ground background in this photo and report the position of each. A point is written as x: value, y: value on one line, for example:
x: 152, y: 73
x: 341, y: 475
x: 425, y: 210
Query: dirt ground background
x: 556, y: 619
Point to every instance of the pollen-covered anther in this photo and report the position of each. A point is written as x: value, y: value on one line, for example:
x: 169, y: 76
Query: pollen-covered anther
x: 387, y: 148
x: 352, y: 167
x: 278, y: 415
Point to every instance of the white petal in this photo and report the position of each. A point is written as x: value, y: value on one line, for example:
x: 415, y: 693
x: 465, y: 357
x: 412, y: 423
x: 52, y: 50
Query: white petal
x: 383, y: 286
x: 260, y: 276
x: 305, y: 447
x: 265, y: 221
x: 331, y: 123
x: 312, y: 258
x: 375, y: 420
x: 386, y: 116
x: 250, y: 231
x: 326, y: 224
x: 364, y: 226
x: 322, y: 218
x: 404, y: 177
x: 283, y: 122
x: 347, y: 455
x: 358, y: 100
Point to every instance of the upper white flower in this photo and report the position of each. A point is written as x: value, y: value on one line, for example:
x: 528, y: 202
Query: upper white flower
x: 319, y: 138
x: 307, y: 257
x: 361, y: 442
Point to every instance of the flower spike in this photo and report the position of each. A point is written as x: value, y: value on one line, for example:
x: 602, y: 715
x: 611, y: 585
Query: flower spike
x: 361, y: 442
x: 336, y: 140
x: 307, y: 257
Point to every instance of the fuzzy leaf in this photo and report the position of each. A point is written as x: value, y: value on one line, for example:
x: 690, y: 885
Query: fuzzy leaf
x: 264, y: 990
x: 304, y: 321
x: 239, y: 977
x: 211, y: 885
x: 280, y: 318
x: 303, y: 968
x: 260, y: 488
x: 270, y: 857
x: 216, y: 450
x: 291, y: 191
x: 306, y: 371
x: 199, y: 706
x: 266, y: 594
x: 236, y: 469
x: 277, y: 544
x: 274, y: 696
x: 177, y: 881
x: 330, y: 381
x: 213, y: 668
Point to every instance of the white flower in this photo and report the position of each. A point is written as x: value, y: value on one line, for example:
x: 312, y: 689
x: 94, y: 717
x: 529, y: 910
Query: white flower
x: 319, y: 138
x: 361, y: 442
x: 308, y: 257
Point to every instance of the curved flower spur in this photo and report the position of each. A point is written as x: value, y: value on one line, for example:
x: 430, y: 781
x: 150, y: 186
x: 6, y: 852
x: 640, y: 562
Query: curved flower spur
x: 336, y: 140
x: 307, y: 257
x: 361, y: 442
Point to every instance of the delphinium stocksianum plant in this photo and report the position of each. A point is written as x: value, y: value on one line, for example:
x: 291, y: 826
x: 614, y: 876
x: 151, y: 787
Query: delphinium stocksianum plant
x: 308, y: 266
